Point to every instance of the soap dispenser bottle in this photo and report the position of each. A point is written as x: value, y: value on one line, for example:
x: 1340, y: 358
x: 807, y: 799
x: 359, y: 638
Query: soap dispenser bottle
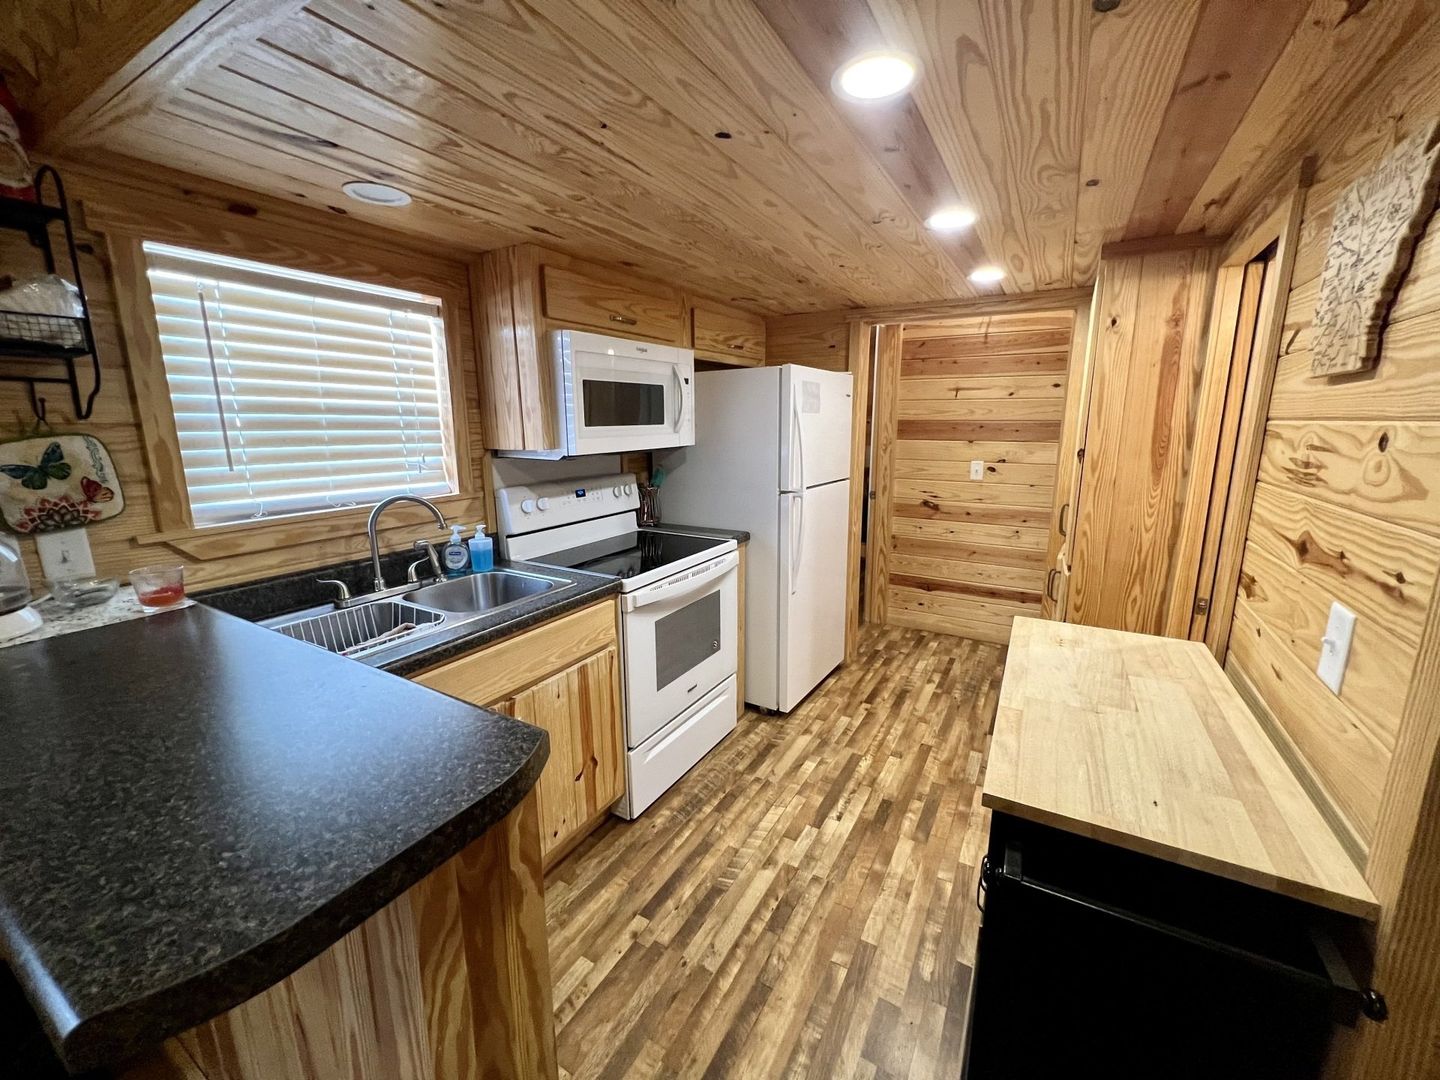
x: 482, y: 551
x: 456, y: 558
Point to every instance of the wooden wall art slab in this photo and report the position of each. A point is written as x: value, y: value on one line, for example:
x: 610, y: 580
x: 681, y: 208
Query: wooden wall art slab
x: 1377, y: 222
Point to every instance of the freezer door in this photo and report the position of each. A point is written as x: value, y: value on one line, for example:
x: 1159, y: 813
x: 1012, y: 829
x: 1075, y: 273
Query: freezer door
x: 814, y: 528
x: 815, y: 426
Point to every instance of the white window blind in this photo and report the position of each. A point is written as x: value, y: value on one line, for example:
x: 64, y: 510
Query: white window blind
x: 295, y: 392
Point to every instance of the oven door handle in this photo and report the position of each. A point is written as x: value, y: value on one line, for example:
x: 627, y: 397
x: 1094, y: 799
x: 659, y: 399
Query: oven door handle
x: 680, y: 587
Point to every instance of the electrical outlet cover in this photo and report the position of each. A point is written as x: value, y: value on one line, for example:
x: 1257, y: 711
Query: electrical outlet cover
x: 1335, y: 646
x: 977, y: 470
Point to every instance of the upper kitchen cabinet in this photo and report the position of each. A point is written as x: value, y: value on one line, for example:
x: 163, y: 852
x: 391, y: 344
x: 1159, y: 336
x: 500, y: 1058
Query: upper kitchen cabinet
x: 523, y: 293
x: 727, y: 335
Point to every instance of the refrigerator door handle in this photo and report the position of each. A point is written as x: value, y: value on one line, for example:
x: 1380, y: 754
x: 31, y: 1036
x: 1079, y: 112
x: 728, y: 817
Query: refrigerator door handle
x: 800, y: 438
x: 797, y: 543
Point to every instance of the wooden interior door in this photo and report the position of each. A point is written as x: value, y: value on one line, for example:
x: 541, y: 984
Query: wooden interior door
x: 1151, y: 310
x: 952, y: 551
x: 1234, y: 338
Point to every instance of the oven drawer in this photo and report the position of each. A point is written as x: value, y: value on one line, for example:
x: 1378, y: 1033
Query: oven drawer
x: 652, y: 768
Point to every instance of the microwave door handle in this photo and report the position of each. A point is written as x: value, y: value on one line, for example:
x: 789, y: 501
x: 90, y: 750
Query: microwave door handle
x: 683, y: 396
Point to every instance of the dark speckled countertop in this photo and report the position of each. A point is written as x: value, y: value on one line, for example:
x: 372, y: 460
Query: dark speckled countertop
x: 192, y: 806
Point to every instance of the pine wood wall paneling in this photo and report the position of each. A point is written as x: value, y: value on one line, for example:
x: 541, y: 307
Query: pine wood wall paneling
x: 859, y: 349
x: 1326, y: 450
x: 820, y: 340
x: 1068, y: 468
x: 1335, y: 511
x: 191, y: 211
x: 997, y: 382
x: 882, y: 469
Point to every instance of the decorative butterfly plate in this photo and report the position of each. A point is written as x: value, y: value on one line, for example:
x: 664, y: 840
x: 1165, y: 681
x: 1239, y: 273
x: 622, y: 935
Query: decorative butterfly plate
x: 54, y: 482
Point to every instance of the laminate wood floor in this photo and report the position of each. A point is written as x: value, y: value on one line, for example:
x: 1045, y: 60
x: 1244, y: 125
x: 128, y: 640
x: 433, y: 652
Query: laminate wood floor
x: 802, y: 903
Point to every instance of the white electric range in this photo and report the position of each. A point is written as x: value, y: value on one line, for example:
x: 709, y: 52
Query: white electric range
x: 679, y: 617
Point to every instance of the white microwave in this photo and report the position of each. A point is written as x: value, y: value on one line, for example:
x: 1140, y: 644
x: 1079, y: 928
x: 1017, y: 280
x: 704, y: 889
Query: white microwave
x: 617, y: 395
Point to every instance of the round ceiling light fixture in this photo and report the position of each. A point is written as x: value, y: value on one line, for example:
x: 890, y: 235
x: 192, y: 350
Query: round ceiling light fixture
x: 950, y: 219
x: 367, y: 191
x: 987, y: 275
x: 876, y: 76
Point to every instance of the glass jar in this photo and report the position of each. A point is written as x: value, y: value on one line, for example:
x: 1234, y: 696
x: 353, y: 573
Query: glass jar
x: 14, y: 580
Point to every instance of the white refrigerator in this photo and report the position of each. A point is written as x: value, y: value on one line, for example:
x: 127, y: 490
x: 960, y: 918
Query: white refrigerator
x: 772, y: 456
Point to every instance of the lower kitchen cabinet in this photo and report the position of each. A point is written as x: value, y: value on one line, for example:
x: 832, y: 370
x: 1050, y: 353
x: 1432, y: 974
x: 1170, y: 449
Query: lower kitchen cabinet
x: 563, y: 676
x: 580, y: 709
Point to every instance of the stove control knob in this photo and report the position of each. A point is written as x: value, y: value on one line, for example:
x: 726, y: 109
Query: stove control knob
x: 615, y: 491
x: 544, y: 504
x: 629, y: 489
x: 528, y: 506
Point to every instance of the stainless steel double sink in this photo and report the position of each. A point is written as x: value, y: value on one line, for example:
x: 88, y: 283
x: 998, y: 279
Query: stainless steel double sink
x: 363, y: 626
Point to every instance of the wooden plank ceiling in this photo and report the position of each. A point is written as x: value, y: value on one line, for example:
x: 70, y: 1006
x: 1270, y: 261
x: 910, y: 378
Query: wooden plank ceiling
x: 698, y: 140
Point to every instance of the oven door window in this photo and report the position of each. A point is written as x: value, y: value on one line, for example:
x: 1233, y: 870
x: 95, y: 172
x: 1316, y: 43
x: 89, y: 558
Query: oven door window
x: 612, y: 403
x: 686, y: 638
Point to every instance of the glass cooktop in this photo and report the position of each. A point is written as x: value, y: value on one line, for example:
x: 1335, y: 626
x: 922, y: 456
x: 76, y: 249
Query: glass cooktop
x: 631, y: 554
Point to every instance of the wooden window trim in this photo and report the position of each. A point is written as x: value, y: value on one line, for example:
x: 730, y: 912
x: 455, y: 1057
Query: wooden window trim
x: 160, y: 440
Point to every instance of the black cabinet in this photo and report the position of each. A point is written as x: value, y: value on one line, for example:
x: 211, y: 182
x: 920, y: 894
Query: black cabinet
x: 1095, y: 961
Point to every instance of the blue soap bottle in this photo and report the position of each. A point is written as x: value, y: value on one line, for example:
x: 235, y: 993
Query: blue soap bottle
x: 482, y: 551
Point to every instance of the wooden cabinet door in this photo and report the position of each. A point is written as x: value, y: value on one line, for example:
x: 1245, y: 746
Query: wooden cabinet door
x: 728, y: 335
x: 614, y: 306
x: 580, y: 710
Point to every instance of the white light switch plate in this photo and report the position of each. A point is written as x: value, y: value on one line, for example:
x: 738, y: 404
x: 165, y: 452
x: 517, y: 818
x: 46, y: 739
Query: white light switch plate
x: 977, y: 470
x: 65, y: 554
x: 1335, y: 646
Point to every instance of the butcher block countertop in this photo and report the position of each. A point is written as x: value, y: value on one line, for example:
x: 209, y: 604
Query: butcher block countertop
x: 1142, y: 742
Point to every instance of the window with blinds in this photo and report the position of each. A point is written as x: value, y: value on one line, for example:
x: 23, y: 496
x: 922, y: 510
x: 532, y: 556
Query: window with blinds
x: 295, y: 392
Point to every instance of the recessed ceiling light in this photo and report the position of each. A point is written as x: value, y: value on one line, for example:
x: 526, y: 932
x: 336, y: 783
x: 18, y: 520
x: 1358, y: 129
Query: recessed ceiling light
x: 987, y: 275
x: 875, y: 76
x: 376, y: 194
x: 950, y: 219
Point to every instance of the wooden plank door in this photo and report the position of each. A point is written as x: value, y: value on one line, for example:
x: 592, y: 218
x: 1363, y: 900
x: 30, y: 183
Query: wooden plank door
x: 1145, y: 388
x: 955, y: 552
